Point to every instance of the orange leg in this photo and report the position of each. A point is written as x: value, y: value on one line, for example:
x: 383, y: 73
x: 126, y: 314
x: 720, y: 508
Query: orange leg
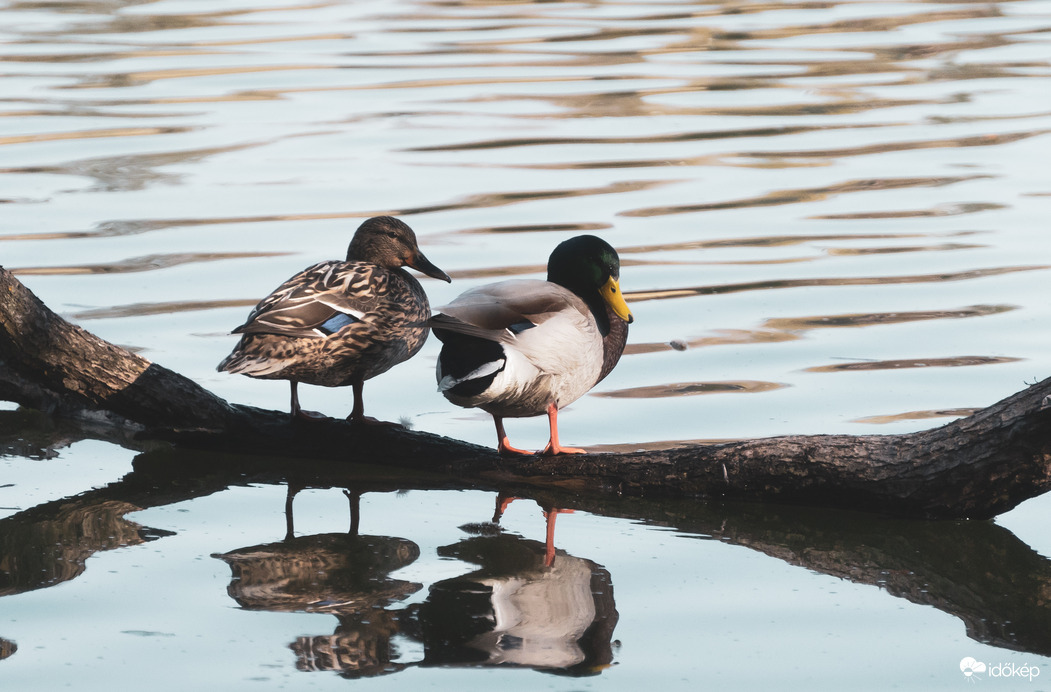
x: 502, y: 501
x: 553, y: 447
x: 549, y: 545
x: 504, y: 446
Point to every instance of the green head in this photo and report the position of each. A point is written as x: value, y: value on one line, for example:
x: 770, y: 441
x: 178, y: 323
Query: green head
x: 589, y: 266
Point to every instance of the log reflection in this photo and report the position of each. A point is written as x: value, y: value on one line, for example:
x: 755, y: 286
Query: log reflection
x: 42, y: 552
x: 977, y: 571
x: 974, y: 570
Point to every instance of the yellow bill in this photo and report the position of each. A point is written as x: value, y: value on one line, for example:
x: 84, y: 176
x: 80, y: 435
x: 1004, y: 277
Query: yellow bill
x: 610, y: 292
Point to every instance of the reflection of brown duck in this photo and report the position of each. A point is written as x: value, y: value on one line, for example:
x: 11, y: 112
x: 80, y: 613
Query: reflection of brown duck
x: 359, y: 647
x: 517, y: 611
x: 339, y: 573
x: 333, y: 572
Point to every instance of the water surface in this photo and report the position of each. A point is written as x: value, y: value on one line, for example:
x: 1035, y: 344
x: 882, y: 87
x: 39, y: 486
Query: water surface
x: 831, y: 218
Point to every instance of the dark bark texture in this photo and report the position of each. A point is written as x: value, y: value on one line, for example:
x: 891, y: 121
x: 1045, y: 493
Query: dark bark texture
x: 975, y: 467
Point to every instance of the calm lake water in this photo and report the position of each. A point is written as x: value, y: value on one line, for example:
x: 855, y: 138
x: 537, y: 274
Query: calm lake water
x: 832, y: 218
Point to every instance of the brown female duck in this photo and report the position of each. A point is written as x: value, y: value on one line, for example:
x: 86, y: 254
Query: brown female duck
x: 340, y: 323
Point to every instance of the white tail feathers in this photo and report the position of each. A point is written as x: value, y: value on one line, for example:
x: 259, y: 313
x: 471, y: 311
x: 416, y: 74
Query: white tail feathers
x: 447, y: 382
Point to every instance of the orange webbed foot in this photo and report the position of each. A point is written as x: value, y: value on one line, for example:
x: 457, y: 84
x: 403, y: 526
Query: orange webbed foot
x: 503, y: 445
x: 556, y: 450
x: 553, y: 447
x: 505, y: 449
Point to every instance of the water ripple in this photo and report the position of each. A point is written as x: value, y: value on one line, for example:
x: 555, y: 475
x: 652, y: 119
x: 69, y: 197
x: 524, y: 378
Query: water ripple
x: 91, y: 134
x: 782, y: 329
x: 796, y: 196
x: 500, y: 129
x: 141, y: 264
x: 955, y: 362
x: 667, y: 293
x: 691, y: 389
x: 917, y: 415
x: 160, y: 308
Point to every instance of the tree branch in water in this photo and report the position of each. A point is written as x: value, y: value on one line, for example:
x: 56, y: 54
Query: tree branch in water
x: 975, y: 467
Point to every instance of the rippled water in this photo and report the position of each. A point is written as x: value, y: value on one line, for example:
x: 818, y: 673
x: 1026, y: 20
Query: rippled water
x: 831, y: 217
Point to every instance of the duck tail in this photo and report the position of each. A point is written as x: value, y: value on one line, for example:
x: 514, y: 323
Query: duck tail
x: 467, y: 365
x: 245, y: 364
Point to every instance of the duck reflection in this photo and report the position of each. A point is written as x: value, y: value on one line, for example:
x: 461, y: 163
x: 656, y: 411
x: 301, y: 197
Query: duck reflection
x: 332, y: 573
x: 360, y: 647
x: 344, y: 574
x: 519, y: 609
x: 1003, y: 600
x: 522, y: 607
x: 550, y: 514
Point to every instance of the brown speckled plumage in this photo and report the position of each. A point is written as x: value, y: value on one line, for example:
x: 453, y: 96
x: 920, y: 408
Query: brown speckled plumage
x: 340, y: 323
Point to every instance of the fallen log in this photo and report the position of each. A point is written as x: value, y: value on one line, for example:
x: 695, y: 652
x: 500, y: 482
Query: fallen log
x: 974, y: 467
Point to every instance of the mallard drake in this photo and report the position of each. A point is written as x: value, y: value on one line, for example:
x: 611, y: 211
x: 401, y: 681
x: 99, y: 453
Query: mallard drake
x: 524, y: 348
x: 341, y: 322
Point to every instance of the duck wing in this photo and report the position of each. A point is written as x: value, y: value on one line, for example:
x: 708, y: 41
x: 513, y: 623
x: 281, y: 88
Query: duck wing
x: 503, y: 311
x: 546, y: 324
x: 318, y: 301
